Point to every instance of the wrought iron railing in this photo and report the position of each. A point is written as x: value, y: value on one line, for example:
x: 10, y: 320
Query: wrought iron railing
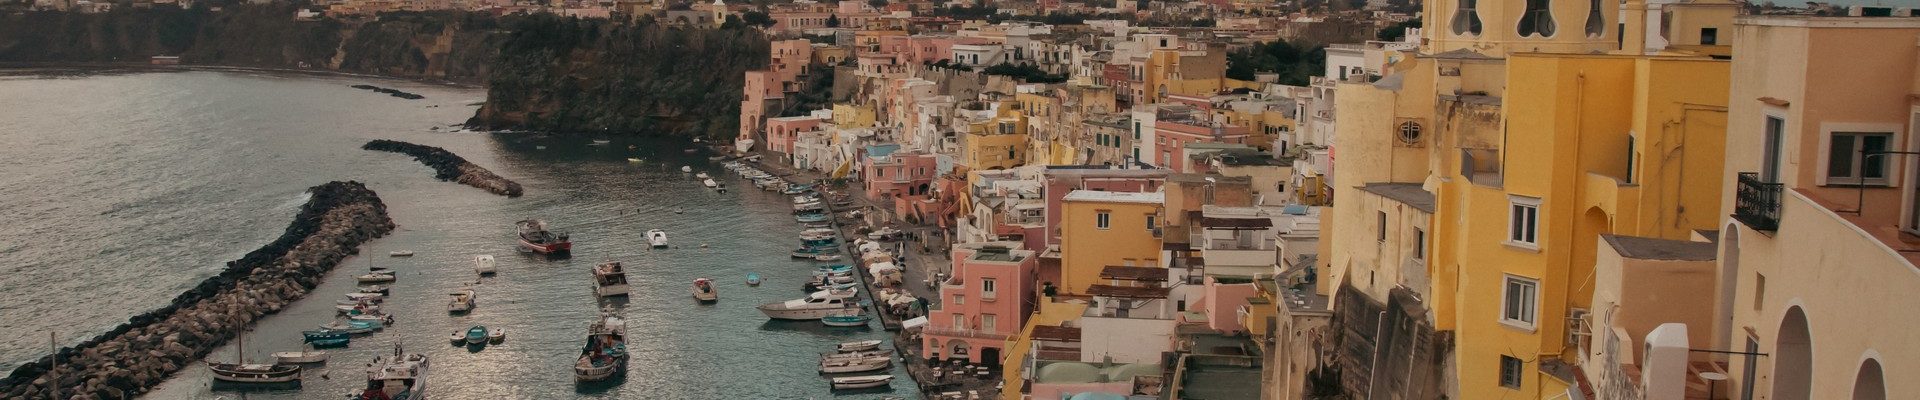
x: 1757, y: 202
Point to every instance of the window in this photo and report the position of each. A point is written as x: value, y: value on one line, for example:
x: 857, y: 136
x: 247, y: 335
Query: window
x: 1136, y: 131
x: 1380, y: 226
x: 1419, y: 244
x: 959, y: 321
x: 987, y: 290
x: 1631, y: 152
x: 1103, y: 220
x: 1151, y: 220
x: 1466, y: 20
x: 1519, y: 299
x: 1510, y: 371
x: 1770, y: 155
x: 989, y: 322
x: 1537, y: 20
x: 1847, y: 162
x: 1524, y: 222
x: 959, y: 299
x: 1596, y: 23
x: 1709, y: 36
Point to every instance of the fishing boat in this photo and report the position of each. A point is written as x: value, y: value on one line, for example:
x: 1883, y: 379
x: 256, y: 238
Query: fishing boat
x: 704, y: 291
x: 462, y: 301
x: 496, y: 335
x: 400, y: 253
x: 861, y: 382
x: 753, y: 279
x: 326, y: 338
x: 535, y: 237
x: 847, y: 319
x: 847, y: 365
x: 242, y: 372
x: 863, y: 345
x: 477, y: 335
x: 300, y: 357
x: 605, y: 353
x: 815, y: 305
x: 483, y: 264
x: 657, y: 238
x: 376, y: 277
x: 609, y: 279
x: 398, y: 377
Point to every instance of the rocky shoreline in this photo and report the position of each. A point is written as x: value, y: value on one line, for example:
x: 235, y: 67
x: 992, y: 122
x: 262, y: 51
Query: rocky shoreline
x: 138, y: 355
x: 450, y: 167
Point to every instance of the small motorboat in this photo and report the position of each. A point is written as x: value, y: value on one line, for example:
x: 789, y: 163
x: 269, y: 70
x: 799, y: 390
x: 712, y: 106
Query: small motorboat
x: 850, y: 319
x: 377, y: 277
x: 354, y: 308
x: 496, y: 335
x: 600, y: 142
x: 753, y: 279
x: 633, y: 160
x: 863, y: 345
x: 372, y: 297
x: 702, y: 175
x: 325, y: 339
x: 812, y: 217
x: 657, y: 238
x: 861, y: 382
x: 300, y: 357
x: 827, y: 257
x: 351, y: 326
x: 814, y: 306
x: 710, y: 183
x: 462, y: 301
x: 686, y: 168
x: 535, y: 237
x: 539, y: 147
x: 379, y: 289
x: 862, y: 364
x: 374, y: 317
x: 458, y: 338
x: 609, y: 279
x: 400, y: 253
x: 856, y: 354
x: 477, y: 335
x: 704, y: 291
x: 483, y: 264
x: 820, y: 284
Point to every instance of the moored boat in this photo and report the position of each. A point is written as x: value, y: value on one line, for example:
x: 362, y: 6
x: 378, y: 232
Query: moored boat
x: 401, y: 376
x: 812, y: 217
x: 862, y: 382
x: 376, y: 277
x: 400, y: 253
x: 657, y: 238
x: 352, y: 326
x: 462, y: 301
x: 242, y: 372
x: 496, y: 335
x: 483, y: 264
x: 686, y: 168
x: 753, y: 279
x: 704, y: 291
x: 477, y: 335
x: 702, y: 175
x: 609, y: 279
x: 814, y: 306
x: 380, y: 289
x: 863, y: 345
x: 300, y: 357
x: 534, y: 236
x: 709, y: 183
x: 326, y: 338
x: 605, y: 353
x: 847, y: 365
x: 458, y: 337
x: 848, y: 319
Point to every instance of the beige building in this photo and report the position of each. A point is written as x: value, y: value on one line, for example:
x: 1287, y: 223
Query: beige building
x: 1817, y: 265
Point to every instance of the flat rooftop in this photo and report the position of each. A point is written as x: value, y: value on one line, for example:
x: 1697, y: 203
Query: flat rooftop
x: 1410, y: 194
x: 1644, y: 248
x: 1116, y: 197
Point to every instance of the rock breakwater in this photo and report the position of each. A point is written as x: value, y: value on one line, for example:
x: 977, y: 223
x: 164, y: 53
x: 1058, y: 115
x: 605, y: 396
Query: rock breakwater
x: 450, y: 167
x: 134, y: 357
x: 390, y: 92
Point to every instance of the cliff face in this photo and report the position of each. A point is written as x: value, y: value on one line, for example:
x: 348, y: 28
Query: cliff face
x: 452, y: 46
x: 572, y: 75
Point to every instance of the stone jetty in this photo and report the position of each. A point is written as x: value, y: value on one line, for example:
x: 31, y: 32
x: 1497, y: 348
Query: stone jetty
x: 450, y: 167
x: 390, y: 92
x: 135, y: 356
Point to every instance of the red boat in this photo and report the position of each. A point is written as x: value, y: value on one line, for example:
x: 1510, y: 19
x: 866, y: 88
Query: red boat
x: 534, y: 236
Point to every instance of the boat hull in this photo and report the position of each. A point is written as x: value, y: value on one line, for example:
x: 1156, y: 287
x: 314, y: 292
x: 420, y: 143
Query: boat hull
x: 546, y: 248
x: 231, y: 373
x: 862, y: 382
x: 610, y: 290
x: 803, y: 314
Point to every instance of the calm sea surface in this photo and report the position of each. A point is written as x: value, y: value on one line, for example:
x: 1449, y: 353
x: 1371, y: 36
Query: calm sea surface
x: 123, y: 189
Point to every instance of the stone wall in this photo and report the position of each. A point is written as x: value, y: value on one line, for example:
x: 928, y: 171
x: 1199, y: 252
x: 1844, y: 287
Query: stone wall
x: 450, y: 167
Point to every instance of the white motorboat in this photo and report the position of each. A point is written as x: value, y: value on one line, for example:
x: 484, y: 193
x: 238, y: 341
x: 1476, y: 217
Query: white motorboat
x: 377, y: 277
x: 605, y: 354
x: 609, y: 279
x: 846, y: 365
x: 704, y: 291
x: 375, y: 289
x: 710, y: 183
x: 496, y: 335
x: 657, y: 238
x: 686, y: 168
x: 400, y: 376
x: 462, y: 301
x: 483, y: 264
x: 400, y: 253
x: 600, y: 142
x: 861, y: 382
x: 359, y: 297
x: 702, y: 175
x: 857, y: 354
x: 300, y: 357
x: 814, y: 306
x: 863, y: 345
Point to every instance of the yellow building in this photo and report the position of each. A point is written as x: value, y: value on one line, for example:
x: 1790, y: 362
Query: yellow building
x: 1044, y: 126
x: 999, y: 142
x: 853, y: 116
x: 1100, y: 229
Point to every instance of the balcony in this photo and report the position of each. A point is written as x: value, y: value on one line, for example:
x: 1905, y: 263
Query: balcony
x: 1757, y: 203
x: 965, y: 333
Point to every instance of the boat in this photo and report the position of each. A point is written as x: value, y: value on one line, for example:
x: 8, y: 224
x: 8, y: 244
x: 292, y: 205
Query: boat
x: 753, y: 279
x: 462, y: 301
x: 862, y: 364
x: 817, y: 233
x: 477, y: 335
x: 325, y: 338
x: 378, y: 318
x: 483, y: 264
x: 710, y: 183
x: 704, y: 291
x: 633, y: 160
x: 849, y: 319
x: 605, y: 353
x: 886, y: 233
x: 534, y: 236
x: 827, y: 257
x: 810, y: 253
x: 815, y: 305
x: 856, y: 354
x: 609, y: 279
x: 300, y: 357
x: 352, y: 326
x: 863, y: 345
x: 657, y: 238
x: 861, y: 382
x: 357, y: 297
x: 377, y: 277
x: 242, y: 372
x: 379, y: 289
x: 686, y: 168
x: 821, y: 284
x: 702, y: 175
x: 458, y: 337
x: 834, y: 268
x: 400, y: 253
x: 812, y: 217
x: 401, y: 376
x: 600, y: 142
x: 496, y: 335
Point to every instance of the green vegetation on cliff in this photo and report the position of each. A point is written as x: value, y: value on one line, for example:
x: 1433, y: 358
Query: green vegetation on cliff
x: 574, y: 75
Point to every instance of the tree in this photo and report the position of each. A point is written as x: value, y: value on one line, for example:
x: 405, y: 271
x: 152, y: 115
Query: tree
x: 757, y: 18
x: 833, y: 20
x: 877, y: 4
x: 1397, y: 31
x: 732, y: 22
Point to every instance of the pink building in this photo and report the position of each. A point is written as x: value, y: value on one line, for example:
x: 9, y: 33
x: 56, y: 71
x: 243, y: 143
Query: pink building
x: 1221, y: 304
x: 781, y: 132
x: 791, y: 59
x: 985, y: 302
x: 1172, y: 137
x: 905, y: 178
x: 929, y: 49
x: 760, y: 87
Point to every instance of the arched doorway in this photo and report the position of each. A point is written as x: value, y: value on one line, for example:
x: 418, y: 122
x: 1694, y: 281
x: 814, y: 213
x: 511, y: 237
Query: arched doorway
x: 1793, y: 358
x: 1870, y: 383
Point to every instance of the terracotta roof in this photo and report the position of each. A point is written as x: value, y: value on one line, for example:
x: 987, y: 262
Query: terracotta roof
x: 1136, y: 292
x: 1134, y: 273
x: 1056, y: 333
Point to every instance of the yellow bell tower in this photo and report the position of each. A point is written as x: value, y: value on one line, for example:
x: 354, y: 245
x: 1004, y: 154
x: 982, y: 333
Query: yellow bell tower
x: 1498, y: 27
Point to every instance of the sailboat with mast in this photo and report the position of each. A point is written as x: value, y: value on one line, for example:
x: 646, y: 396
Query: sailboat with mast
x: 242, y: 372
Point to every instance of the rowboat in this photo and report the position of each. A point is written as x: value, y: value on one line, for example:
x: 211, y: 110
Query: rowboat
x: 477, y: 335
x: 496, y: 335
x: 400, y: 253
x: 846, y: 365
x: 753, y: 279
x: 861, y: 382
x: 863, y: 345
x: 299, y: 357
x: 326, y: 338
x: 852, y: 319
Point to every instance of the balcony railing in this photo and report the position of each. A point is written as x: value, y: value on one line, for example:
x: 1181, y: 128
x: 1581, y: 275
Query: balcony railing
x: 965, y: 333
x: 1756, y: 202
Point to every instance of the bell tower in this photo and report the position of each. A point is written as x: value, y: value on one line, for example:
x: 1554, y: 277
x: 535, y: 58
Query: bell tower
x: 1498, y: 27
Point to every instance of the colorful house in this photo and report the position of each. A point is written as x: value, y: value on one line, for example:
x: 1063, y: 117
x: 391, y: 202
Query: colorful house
x: 1100, y: 229
x: 985, y: 302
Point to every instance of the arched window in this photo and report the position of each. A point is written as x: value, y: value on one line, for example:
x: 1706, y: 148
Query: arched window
x: 1466, y: 18
x: 1596, y: 22
x: 1870, y: 383
x: 1537, y: 19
